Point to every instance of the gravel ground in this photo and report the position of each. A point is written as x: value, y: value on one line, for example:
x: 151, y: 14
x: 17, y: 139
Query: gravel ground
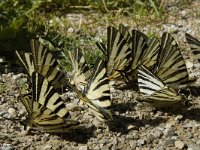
x: 134, y: 127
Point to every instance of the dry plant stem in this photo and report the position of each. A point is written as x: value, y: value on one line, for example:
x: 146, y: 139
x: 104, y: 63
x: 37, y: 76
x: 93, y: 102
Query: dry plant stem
x: 104, y: 4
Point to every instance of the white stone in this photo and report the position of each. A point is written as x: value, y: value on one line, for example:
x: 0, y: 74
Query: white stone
x: 83, y: 147
x: 179, y: 144
x: 12, y: 112
x: 70, y: 30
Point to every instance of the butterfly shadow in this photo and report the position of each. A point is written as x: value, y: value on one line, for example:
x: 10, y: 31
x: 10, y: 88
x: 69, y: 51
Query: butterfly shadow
x: 123, y: 107
x: 121, y: 124
x: 80, y: 135
x: 187, y: 113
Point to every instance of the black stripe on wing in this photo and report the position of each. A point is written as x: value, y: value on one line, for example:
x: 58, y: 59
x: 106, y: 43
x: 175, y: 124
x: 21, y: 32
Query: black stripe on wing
x: 194, y: 45
x: 41, y: 118
x: 102, y: 47
x: 125, y: 33
x: 46, y: 95
x: 98, y: 87
x: 170, y: 66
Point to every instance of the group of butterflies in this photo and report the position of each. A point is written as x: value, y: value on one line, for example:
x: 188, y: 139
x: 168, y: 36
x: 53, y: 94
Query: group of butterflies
x: 155, y: 65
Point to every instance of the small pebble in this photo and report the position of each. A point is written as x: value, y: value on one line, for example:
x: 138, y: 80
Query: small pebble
x: 169, y: 143
x: 96, y: 122
x: 198, y: 142
x: 12, y: 112
x: 179, y: 117
x: 83, y: 147
x: 132, y: 144
x: 169, y: 132
x: 47, y: 147
x: 130, y: 127
x: 193, y: 147
x: 70, y: 30
x: 7, y: 147
x: 140, y: 142
x: 179, y: 144
x: 188, y: 125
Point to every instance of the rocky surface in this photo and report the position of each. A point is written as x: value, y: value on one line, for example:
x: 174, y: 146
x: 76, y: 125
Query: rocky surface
x: 134, y: 126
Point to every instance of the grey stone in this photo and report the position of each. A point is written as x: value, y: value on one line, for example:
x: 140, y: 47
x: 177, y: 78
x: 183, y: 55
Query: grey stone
x: 198, y: 142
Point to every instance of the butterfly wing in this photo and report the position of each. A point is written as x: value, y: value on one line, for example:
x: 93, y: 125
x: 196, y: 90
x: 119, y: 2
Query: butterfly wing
x: 46, y: 110
x: 170, y: 65
x: 26, y: 60
x: 81, y: 70
x: 98, y: 92
x: 46, y: 64
x: 139, y: 45
x: 154, y: 91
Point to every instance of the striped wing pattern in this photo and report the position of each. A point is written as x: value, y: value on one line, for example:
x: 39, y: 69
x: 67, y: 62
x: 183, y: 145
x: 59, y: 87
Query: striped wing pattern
x: 46, y: 64
x: 81, y: 72
x: 194, y: 45
x: 139, y: 45
x: 117, y: 48
x: 98, y: 92
x: 153, y: 89
x: 125, y: 33
x: 42, y: 118
x: 26, y: 60
x: 117, y: 52
x: 46, y: 95
x: 144, y: 52
x: 170, y: 65
x: 42, y: 61
x: 150, y: 55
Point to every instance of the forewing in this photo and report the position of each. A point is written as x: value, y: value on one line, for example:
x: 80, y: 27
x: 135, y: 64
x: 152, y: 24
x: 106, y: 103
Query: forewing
x: 170, y: 65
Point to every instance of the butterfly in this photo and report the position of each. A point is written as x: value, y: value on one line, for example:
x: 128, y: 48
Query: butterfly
x: 117, y: 52
x: 144, y: 52
x: 154, y: 91
x: 42, y: 61
x: 96, y: 94
x: 81, y: 71
x: 46, y: 110
x: 170, y: 65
